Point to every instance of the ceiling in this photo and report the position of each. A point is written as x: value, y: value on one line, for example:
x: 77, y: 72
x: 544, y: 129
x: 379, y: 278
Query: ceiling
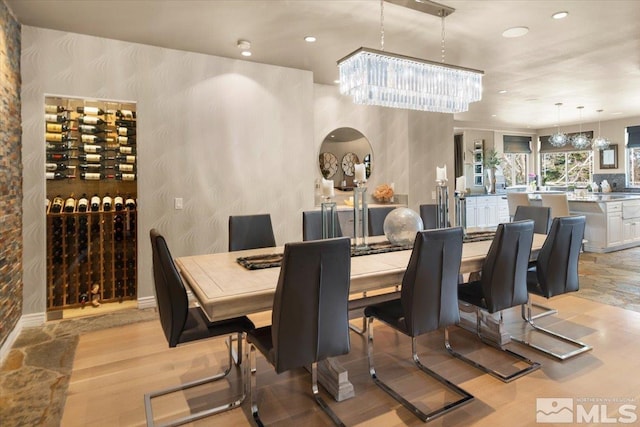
x: 591, y: 58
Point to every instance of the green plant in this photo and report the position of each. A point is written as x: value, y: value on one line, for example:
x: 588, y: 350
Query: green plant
x: 492, y: 159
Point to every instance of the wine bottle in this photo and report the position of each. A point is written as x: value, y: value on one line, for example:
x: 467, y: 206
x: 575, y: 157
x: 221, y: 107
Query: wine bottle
x: 59, y: 148
x: 125, y: 176
x: 91, y: 176
x: 126, y: 140
x: 126, y: 150
x: 54, y: 109
x: 93, y: 166
x: 57, y: 127
x: 92, y: 158
x: 57, y: 175
x: 95, y: 111
x: 124, y: 167
x: 57, y: 156
x: 118, y: 203
x: 58, y: 137
x: 56, y: 205
x: 95, y: 203
x: 91, y: 148
x: 90, y: 120
x: 47, y: 203
x: 106, y: 203
x: 92, y: 139
x: 55, y: 118
x: 91, y: 129
x: 126, y: 159
x: 70, y: 204
x: 124, y: 131
x: 51, y: 167
x: 130, y: 203
x: 83, y: 203
x: 126, y: 114
x: 126, y: 123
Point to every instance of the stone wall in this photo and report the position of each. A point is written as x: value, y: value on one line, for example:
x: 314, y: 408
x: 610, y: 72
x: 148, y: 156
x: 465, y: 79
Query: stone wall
x: 11, y: 174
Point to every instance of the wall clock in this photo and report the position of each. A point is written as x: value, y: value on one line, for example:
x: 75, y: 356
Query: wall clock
x: 328, y: 164
x: 348, y: 162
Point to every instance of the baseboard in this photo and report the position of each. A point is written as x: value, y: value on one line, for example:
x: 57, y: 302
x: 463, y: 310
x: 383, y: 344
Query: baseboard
x: 146, y: 302
x: 25, y: 321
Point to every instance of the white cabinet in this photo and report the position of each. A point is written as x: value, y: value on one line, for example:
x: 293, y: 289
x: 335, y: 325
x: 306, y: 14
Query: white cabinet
x: 614, y: 224
x: 486, y: 211
x: 631, y: 221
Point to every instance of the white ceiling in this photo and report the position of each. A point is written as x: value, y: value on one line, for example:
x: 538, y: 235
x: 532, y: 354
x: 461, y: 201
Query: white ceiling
x: 591, y: 58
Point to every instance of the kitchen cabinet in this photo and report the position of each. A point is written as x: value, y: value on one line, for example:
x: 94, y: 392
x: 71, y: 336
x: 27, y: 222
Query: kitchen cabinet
x: 486, y: 211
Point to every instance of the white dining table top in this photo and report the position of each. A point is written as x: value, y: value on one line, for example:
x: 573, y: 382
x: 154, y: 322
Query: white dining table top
x: 226, y: 289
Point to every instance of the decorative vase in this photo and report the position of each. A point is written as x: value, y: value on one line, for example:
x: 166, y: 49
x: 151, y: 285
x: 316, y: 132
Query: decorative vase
x: 491, y: 181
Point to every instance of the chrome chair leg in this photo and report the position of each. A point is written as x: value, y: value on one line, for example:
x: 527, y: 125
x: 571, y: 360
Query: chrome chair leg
x: 316, y: 395
x: 532, y: 366
x: 466, y: 397
x: 198, y: 415
x: 547, y: 311
x: 581, y: 347
x: 357, y: 330
x: 253, y: 389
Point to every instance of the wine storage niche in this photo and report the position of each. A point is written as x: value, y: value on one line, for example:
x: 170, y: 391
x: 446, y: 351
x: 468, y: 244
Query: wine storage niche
x: 91, y: 207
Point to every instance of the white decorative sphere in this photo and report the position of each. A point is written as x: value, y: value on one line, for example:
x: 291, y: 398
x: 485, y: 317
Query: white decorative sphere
x: 401, y: 225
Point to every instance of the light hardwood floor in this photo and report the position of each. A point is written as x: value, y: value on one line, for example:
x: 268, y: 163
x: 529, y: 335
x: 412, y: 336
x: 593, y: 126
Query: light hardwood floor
x: 114, y: 368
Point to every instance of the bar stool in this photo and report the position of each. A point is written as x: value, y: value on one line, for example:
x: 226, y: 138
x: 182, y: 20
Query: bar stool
x: 557, y: 202
x: 515, y: 199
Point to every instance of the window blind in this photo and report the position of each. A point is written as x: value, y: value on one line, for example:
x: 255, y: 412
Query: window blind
x: 633, y: 140
x: 516, y: 144
x: 545, y: 147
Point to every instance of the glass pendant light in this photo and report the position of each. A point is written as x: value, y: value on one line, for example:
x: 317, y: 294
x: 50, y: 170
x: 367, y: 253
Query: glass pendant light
x: 580, y: 141
x: 558, y: 139
x: 599, y: 142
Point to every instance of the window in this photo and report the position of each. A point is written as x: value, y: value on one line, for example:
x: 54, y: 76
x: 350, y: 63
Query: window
x: 514, y: 168
x: 515, y: 160
x: 633, y: 156
x: 567, y: 168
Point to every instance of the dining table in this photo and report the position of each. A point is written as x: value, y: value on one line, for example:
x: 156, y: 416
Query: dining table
x: 225, y: 288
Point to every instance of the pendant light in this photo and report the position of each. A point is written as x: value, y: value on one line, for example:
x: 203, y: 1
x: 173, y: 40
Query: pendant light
x: 558, y: 139
x: 599, y: 142
x: 580, y: 141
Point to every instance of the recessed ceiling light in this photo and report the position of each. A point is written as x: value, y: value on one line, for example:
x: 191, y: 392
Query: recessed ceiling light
x: 336, y: 81
x: 560, y: 15
x: 493, y: 115
x: 246, y: 53
x: 515, y: 32
x: 502, y: 91
x: 617, y: 113
x: 310, y: 39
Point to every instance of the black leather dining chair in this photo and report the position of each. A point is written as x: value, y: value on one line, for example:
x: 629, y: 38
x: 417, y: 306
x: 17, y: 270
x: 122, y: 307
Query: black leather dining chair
x: 556, y: 273
x: 429, y: 215
x: 250, y: 232
x: 182, y: 324
x: 309, y: 321
x: 541, y: 216
x: 502, y: 285
x: 312, y: 225
x: 376, y: 219
x: 428, y: 301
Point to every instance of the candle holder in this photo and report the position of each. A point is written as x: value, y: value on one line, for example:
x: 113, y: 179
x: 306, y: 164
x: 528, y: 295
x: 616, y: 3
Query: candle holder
x: 360, y: 217
x: 461, y: 211
x: 442, y: 201
x: 329, y: 218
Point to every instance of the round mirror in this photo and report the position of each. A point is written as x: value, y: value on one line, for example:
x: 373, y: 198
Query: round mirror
x: 341, y: 149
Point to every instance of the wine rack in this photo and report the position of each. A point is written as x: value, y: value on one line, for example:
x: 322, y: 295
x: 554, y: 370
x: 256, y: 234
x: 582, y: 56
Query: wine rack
x: 91, y: 247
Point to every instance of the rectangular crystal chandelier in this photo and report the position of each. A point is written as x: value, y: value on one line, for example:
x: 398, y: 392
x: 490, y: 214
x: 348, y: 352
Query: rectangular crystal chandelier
x: 376, y: 77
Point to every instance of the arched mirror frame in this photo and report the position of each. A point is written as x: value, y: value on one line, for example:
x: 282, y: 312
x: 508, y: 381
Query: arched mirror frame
x: 339, y: 151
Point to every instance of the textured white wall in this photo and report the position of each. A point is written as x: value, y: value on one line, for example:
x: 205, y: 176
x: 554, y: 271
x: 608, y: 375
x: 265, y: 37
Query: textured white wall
x: 228, y: 136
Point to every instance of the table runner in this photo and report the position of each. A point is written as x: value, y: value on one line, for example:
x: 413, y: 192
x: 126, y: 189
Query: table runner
x: 257, y: 262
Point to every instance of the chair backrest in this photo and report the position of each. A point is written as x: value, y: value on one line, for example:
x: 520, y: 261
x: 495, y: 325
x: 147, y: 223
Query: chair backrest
x: 504, y: 272
x: 250, y: 232
x: 429, y: 292
x: 429, y: 215
x: 540, y: 215
x: 557, y: 263
x: 376, y: 219
x: 515, y: 199
x: 309, y: 321
x: 312, y: 225
x: 171, y: 296
x: 557, y: 202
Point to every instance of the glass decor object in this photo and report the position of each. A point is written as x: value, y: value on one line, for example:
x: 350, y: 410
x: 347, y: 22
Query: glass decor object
x: 558, y: 139
x: 329, y: 219
x: 360, y: 215
x: 401, y: 225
